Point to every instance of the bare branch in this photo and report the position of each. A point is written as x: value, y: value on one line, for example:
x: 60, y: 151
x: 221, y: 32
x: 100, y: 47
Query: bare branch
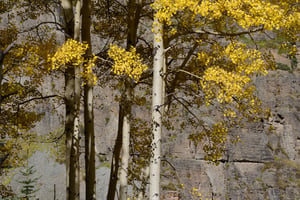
x: 189, y: 73
x: 8, y: 95
x: 62, y: 29
x: 37, y: 98
x: 164, y: 159
x: 178, y: 100
x: 182, y: 66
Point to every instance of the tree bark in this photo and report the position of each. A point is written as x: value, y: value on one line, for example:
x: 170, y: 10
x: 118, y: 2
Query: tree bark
x: 72, y: 142
x: 122, y: 142
x: 90, y: 178
x: 133, y: 15
x: 157, y: 109
x: 125, y: 157
x: 113, y: 179
x: 77, y: 92
x: 69, y: 130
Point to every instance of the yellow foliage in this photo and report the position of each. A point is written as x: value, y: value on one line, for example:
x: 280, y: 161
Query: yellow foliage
x: 88, y: 74
x: 225, y: 70
x: 228, y: 74
x: 217, y: 137
x: 25, y: 69
x: 72, y: 53
x: 227, y: 78
x: 127, y: 62
x: 247, y: 13
x: 28, y: 60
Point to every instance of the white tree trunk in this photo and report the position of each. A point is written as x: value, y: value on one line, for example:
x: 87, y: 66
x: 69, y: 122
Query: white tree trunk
x: 77, y: 93
x: 124, y: 159
x: 71, y: 124
x: 157, y: 109
x: 134, y: 9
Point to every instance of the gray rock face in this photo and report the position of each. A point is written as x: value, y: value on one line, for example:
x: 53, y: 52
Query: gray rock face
x: 263, y: 166
x: 52, y: 177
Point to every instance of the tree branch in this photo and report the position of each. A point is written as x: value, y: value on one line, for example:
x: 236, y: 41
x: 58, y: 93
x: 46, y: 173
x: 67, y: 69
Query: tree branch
x: 43, y: 23
x: 37, y: 98
x: 228, y: 34
x: 9, y: 47
x: 189, y: 73
x: 8, y: 95
x: 199, y: 121
x: 182, y: 66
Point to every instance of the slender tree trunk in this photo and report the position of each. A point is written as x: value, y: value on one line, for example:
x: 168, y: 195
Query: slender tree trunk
x: 132, y: 22
x: 72, y: 143
x: 126, y: 107
x: 69, y: 130
x: 89, y: 143
x: 123, y: 137
x: 121, y: 145
x: 157, y: 109
x: 113, y: 179
x: 77, y: 93
x: 68, y: 17
x: 124, y: 157
x: 88, y: 110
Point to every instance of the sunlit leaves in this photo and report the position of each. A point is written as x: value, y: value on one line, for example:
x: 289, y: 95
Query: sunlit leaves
x: 73, y: 53
x: 223, y: 66
x: 26, y: 62
x: 247, y: 14
x: 87, y: 73
x: 228, y: 74
x: 226, y: 81
x: 126, y: 62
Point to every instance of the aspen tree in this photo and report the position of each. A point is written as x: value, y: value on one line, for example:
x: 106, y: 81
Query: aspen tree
x: 73, y: 52
x: 90, y: 177
x: 71, y: 120
x: 77, y: 94
x: 133, y: 16
x: 220, y: 75
x: 123, y: 138
x: 130, y: 64
x: 157, y: 109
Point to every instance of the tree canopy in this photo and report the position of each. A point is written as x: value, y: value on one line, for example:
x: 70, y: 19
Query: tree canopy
x: 188, y: 54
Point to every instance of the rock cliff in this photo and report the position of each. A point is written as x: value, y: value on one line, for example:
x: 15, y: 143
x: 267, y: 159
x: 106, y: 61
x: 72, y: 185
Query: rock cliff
x: 265, y: 165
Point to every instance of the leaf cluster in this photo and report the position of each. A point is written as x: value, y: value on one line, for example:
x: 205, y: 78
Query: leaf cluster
x: 126, y: 62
